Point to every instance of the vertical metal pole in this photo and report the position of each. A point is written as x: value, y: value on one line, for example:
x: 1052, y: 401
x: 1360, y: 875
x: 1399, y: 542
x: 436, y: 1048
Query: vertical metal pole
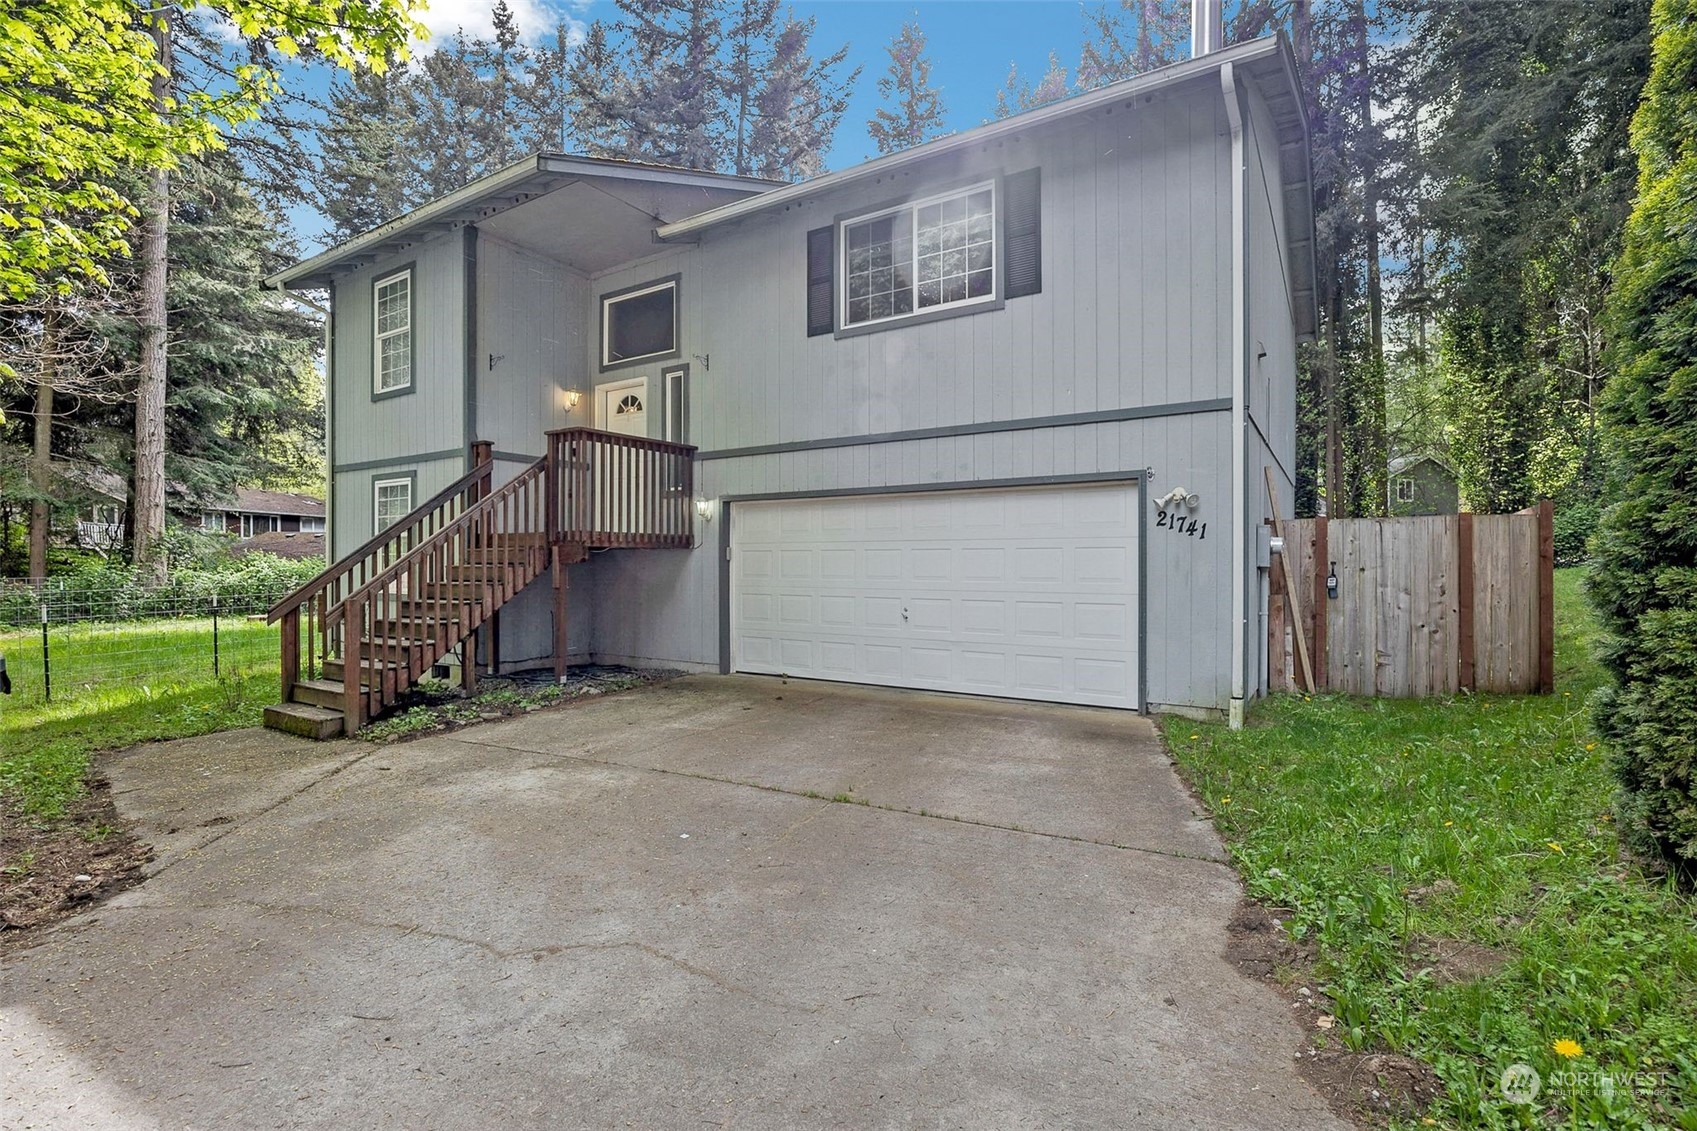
x: 215, y: 636
x: 46, y: 659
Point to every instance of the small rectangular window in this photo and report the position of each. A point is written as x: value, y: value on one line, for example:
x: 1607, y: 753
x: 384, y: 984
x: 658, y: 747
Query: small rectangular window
x: 392, y: 502
x: 212, y: 520
x: 677, y: 405
x: 391, y: 303
x: 640, y: 324
x: 933, y: 253
x: 1405, y: 490
x: 311, y: 525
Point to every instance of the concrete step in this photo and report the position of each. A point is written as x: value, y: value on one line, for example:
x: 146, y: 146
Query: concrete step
x: 305, y: 720
x: 327, y: 693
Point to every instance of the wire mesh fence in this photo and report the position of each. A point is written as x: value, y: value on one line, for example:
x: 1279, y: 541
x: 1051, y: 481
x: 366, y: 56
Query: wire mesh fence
x: 63, y: 643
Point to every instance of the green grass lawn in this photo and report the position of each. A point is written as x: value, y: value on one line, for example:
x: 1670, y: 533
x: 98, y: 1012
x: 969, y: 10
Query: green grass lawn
x: 118, y: 684
x: 1394, y: 829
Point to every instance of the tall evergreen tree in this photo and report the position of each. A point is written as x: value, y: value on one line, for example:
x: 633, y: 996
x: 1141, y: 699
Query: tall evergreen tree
x: 798, y: 103
x: 364, y: 172
x: 1525, y: 180
x: 729, y: 85
x: 1016, y: 96
x: 913, y: 109
x: 1644, y: 584
x: 1132, y: 37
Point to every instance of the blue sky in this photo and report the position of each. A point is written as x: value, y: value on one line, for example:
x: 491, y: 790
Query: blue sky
x: 971, y: 44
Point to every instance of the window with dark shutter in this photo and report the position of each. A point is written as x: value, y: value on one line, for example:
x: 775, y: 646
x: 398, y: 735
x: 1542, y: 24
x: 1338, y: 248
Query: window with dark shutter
x: 819, y: 242
x: 1022, y: 225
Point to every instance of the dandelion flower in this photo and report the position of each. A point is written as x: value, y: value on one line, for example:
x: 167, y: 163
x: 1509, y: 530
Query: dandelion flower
x: 1225, y: 800
x: 1567, y: 1048
x: 1448, y: 824
x: 1554, y: 847
x: 1194, y: 737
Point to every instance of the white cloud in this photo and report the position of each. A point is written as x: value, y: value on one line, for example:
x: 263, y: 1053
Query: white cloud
x: 536, y: 19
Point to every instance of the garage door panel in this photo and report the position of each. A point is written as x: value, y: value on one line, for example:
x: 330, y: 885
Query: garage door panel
x: 1029, y: 593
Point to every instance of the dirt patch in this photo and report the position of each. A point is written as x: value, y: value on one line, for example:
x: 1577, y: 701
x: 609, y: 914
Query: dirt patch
x: 1367, y: 1088
x: 1371, y: 1088
x: 52, y: 870
x: 1450, y: 961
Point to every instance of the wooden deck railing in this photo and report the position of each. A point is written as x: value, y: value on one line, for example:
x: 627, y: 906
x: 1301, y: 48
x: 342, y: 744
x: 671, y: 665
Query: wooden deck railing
x: 613, y: 490
x: 401, y: 621
x: 306, y: 613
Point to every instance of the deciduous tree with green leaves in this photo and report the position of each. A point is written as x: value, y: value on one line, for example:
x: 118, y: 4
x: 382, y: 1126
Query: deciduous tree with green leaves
x: 1644, y: 584
x: 78, y: 102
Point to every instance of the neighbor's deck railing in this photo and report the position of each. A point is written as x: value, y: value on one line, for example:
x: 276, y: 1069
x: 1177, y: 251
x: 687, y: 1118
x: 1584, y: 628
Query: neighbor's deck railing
x: 612, y: 490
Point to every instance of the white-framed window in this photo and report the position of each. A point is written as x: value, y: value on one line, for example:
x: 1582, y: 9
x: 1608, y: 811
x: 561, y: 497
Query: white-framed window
x: 640, y: 324
x: 931, y: 253
x: 312, y: 524
x: 391, y: 502
x: 212, y: 520
x: 106, y: 514
x: 1405, y: 490
x: 391, y: 351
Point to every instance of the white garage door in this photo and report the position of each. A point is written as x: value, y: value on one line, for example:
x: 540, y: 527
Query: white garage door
x: 1029, y: 593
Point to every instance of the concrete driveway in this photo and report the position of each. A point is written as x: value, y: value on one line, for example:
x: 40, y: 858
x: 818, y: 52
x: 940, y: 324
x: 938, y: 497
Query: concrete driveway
x: 646, y: 911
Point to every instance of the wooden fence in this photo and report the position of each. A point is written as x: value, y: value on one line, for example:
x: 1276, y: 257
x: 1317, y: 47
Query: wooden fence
x: 1424, y: 606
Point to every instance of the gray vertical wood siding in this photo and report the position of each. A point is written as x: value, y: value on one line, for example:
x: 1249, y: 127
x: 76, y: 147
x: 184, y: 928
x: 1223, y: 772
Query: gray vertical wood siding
x: 1135, y: 315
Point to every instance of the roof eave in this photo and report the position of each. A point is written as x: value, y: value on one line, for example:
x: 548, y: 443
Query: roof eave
x: 505, y: 188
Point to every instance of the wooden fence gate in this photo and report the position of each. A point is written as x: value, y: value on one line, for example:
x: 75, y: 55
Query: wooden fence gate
x: 1424, y: 606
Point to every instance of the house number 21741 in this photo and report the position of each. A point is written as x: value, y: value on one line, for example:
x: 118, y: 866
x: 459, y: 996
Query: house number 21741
x: 1178, y: 524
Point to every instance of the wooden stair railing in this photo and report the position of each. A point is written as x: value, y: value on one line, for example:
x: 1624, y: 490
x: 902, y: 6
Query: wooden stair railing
x: 306, y: 613
x: 403, y: 620
x: 617, y: 491
x: 375, y: 622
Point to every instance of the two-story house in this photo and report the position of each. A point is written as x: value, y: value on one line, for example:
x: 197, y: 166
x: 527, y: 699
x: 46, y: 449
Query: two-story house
x: 991, y: 415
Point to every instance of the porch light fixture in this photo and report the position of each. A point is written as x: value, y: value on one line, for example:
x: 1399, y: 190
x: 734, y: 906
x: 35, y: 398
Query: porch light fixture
x: 573, y: 399
x: 704, y: 508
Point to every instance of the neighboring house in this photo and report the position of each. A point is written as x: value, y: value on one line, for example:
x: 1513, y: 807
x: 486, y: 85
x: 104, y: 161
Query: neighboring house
x: 298, y: 545
x: 988, y: 415
x: 102, y: 496
x: 252, y: 512
x: 1422, y: 484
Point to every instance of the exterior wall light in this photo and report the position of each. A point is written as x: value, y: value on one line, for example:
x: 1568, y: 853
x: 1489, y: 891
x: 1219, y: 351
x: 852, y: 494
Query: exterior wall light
x: 573, y: 398
x: 704, y: 508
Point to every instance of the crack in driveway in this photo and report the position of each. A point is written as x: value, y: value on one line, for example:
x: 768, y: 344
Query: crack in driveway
x: 535, y: 953
x: 810, y: 795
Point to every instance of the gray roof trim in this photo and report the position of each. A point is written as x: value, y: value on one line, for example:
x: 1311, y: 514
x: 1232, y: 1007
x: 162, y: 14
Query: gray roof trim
x: 506, y: 188
x: 1243, y: 54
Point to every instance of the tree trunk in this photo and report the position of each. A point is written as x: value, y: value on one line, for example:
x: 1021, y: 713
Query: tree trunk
x: 1375, y: 495
x: 41, y: 461
x: 148, y: 525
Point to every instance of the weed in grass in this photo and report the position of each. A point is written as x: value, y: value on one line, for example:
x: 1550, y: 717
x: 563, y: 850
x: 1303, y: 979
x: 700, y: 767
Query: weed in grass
x: 1383, y: 825
x: 20, y: 865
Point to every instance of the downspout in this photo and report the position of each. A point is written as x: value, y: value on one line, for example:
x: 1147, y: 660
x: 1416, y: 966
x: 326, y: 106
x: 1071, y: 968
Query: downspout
x: 329, y: 443
x: 1239, y: 380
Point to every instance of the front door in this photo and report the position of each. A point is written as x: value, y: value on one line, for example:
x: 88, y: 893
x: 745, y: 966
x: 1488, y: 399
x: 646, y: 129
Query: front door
x: 622, y: 407
x: 621, y: 487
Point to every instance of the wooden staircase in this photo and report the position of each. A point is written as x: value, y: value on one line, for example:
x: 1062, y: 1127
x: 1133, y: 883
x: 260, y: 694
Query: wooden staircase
x: 358, y: 636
